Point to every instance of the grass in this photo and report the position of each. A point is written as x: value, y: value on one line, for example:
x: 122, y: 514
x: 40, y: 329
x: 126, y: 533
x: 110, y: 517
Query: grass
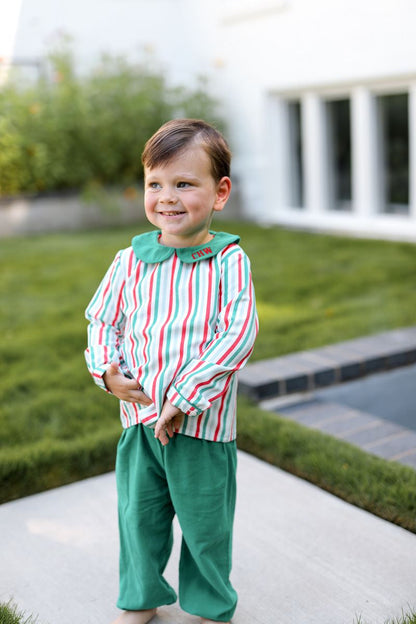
x: 386, y: 489
x: 56, y: 426
x: 314, y: 290
x: 9, y: 614
x: 405, y: 618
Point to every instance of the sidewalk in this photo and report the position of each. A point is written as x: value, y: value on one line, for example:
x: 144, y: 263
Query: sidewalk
x: 315, y: 388
x: 302, y: 556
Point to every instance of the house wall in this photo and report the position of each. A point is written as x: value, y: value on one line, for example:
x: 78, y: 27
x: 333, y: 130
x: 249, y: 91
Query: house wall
x: 276, y: 51
x: 258, y: 56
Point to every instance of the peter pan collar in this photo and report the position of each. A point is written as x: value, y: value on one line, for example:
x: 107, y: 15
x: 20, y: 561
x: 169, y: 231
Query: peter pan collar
x: 147, y: 248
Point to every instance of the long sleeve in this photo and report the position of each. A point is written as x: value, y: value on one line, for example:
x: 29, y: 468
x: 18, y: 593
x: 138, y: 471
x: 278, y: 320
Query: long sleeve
x: 106, y: 317
x: 205, y: 379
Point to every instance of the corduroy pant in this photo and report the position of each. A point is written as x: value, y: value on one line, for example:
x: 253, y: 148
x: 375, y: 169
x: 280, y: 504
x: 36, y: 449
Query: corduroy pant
x: 196, y: 480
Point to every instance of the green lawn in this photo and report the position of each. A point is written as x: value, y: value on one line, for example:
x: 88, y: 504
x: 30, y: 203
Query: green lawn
x: 56, y: 426
x: 311, y: 290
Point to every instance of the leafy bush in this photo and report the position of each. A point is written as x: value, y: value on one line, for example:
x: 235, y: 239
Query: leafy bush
x: 65, y: 132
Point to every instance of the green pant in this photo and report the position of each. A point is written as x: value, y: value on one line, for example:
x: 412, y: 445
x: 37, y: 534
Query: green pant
x: 196, y: 480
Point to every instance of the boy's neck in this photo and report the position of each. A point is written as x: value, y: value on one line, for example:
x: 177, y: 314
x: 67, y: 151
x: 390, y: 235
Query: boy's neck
x: 179, y: 242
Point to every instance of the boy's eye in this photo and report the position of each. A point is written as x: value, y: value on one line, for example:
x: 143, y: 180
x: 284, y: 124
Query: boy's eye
x: 154, y: 185
x: 183, y: 184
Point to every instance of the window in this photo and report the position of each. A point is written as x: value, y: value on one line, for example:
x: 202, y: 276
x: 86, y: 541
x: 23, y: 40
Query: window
x: 295, y: 155
x: 338, y: 130
x: 393, y: 135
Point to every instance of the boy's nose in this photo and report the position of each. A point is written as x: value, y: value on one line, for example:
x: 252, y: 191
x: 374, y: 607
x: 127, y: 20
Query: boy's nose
x: 168, y: 196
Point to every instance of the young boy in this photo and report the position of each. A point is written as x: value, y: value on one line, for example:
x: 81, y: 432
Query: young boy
x: 171, y: 323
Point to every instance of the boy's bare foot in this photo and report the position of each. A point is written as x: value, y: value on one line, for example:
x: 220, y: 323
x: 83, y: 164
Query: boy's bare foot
x: 135, y: 617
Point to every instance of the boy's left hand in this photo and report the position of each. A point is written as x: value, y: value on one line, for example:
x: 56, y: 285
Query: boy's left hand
x: 170, y: 419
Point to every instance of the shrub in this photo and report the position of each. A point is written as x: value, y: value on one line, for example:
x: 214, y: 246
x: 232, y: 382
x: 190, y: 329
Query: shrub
x: 65, y: 132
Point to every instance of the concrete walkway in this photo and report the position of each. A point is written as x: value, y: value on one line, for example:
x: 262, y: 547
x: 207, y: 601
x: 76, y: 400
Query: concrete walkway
x: 302, y: 556
x: 322, y: 389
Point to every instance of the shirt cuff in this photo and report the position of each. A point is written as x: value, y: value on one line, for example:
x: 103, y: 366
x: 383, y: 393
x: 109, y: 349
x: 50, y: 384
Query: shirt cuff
x: 97, y: 376
x: 179, y: 401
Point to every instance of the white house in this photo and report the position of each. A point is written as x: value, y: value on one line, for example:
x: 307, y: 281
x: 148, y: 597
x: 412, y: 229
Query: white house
x: 320, y: 96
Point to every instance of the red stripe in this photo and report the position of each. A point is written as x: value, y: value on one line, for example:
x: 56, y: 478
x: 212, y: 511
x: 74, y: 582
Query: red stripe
x: 208, y: 309
x: 136, y: 411
x: 191, y: 372
x: 145, y: 420
x: 136, y: 281
x: 185, y: 322
x: 219, y: 420
x: 147, y: 323
x: 240, y: 274
x: 204, y: 383
x: 238, y: 339
x: 119, y: 303
x: 230, y: 246
x: 129, y: 270
x: 242, y: 332
x: 236, y: 367
x: 174, y: 397
x: 100, y: 334
x: 224, y: 390
x: 162, y: 331
x: 230, y: 349
x: 198, y: 425
x: 107, y: 288
x: 125, y: 414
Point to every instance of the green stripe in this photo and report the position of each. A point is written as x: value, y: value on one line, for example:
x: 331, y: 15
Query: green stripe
x: 143, y: 271
x: 227, y: 415
x: 195, y: 307
x: 166, y: 350
x: 155, y: 299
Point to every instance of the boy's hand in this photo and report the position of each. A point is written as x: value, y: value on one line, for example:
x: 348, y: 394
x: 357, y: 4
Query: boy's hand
x: 124, y: 388
x: 170, y: 419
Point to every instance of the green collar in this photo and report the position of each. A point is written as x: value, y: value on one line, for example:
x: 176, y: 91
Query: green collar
x: 148, y: 249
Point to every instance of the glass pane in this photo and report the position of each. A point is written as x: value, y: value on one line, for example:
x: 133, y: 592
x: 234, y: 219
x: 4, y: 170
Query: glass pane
x: 338, y: 118
x: 393, y: 113
x: 295, y: 154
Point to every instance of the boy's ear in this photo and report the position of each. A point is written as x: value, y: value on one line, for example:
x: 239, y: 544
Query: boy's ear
x: 223, y: 193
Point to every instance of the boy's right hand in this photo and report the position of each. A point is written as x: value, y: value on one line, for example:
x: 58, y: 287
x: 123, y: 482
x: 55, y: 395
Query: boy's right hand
x: 124, y: 388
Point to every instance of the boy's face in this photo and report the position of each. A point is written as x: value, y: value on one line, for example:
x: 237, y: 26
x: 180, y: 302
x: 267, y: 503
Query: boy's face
x: 181, y: 196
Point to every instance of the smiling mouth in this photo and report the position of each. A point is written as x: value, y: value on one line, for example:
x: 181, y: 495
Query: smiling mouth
x: 171, y: 214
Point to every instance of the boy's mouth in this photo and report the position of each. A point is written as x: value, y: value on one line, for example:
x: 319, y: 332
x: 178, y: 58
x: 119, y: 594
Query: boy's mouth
x: 171, y: 213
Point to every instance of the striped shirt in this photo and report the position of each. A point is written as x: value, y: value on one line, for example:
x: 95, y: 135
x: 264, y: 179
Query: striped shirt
x: 181, y: 322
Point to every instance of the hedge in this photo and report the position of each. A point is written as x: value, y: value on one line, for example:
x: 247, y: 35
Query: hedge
x: 70, y: 131
x: 51, y: 463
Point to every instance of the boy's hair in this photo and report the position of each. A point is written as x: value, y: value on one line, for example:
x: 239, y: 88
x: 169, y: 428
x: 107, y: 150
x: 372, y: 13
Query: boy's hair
x: 177, y: 135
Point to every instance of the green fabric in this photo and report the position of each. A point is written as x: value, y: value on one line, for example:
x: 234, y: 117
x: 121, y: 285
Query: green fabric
x: 147, y: 248
x: 196, y: 480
